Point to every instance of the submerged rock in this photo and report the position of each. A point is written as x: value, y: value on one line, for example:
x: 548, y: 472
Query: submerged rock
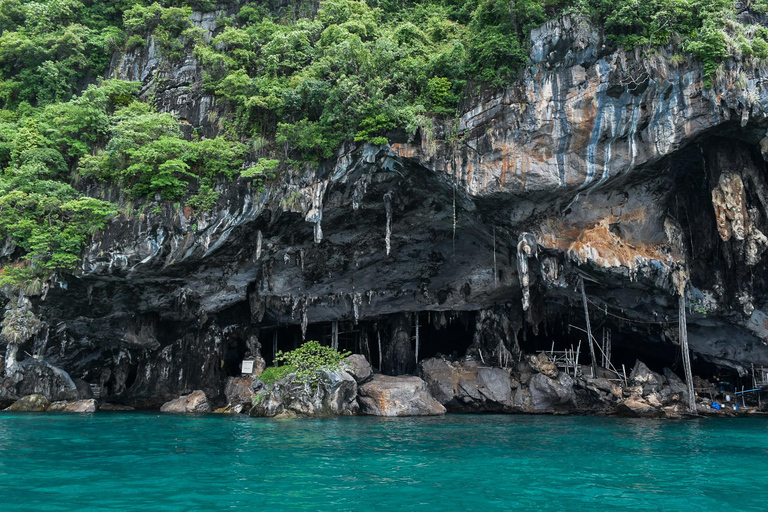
x: 115, y: 407
x: 30, y: 403
x: 334, y: 395
x: 194, y: 402
x: 79, y: 406
x: 384, y: 395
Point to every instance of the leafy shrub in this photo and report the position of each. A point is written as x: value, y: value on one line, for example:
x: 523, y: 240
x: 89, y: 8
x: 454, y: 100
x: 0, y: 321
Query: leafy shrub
x: 310, y: 359
x: 274, y: 373
x: 205, y: 199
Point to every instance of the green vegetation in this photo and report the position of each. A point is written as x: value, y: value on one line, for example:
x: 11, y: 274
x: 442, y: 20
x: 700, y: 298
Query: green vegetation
x: 293, y: 83
x: 306, y: 362
x: 274, y: 373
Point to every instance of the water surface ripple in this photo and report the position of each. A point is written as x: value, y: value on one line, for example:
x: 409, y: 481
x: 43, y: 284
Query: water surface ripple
x: 119, y: 461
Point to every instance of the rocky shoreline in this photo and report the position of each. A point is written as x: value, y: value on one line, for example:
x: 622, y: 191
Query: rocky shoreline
x: 534, y: 385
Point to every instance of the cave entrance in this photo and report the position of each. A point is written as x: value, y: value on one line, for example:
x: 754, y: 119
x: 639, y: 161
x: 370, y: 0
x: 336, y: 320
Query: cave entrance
x: 622, y: 343
x: 447, y: 333
x: 275, y: 339
x: 234, y: 355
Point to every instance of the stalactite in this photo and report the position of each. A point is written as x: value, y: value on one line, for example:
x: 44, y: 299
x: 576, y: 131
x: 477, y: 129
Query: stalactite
x: 388, y: 209
x: 259, y: 242
x: 357, y: 301
x: 335, y: 334
x: 378, y: 336
x: 527, y: 247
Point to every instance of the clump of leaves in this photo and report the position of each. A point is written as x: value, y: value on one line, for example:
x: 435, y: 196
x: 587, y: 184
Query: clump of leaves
x: 310, y: 360
x: 275, y: 373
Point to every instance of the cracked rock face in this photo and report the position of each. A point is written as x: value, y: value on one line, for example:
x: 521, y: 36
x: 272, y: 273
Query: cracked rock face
x: 598, y: 165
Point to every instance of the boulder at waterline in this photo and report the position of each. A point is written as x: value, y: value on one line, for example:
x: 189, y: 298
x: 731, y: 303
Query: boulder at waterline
x: 467, y: 385
x: 542, y: 364
x: 239, y: 392
x: 644, y: 377
x: 551, y: 394
x: 30, y: 403
x: 358, y: 367
x: 335, y: 394
x: 194, y: 402
x: 36, y: 377
x: 384, y: 395
x: 675, y: 383
x: 637, y: 407
x: 79, y: 406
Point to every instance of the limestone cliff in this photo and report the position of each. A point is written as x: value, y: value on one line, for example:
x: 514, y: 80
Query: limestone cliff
x: 598, y: 164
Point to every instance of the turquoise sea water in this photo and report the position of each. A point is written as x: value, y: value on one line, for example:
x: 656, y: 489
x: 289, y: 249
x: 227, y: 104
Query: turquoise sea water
x: 120, y: 461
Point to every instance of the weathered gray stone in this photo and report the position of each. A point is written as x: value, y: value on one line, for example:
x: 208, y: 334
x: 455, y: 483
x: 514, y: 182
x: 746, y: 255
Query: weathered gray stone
x: 605, y: 386
x: 78, y: 406
x: 467, y: 386
x: 36, y: 377
x: 335, y: 395
x: 638, y: 407
x: 30, y: 403
x: 84, y: 391
x: 549, y: 394
x: 385, y: 395
x: 239, y: 392
x: 542, y: 364
x: 650, y: 381
x: 358, y: 367
x: 676, y: 384
x: 194, y: 402
x: 441, y: 378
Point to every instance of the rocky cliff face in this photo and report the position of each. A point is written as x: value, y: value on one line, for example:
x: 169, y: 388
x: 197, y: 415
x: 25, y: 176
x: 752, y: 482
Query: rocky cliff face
x: 599, y: 165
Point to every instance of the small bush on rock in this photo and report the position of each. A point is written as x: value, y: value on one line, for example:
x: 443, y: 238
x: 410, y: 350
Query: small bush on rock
x: 275, y: 373
x: 309, y: 360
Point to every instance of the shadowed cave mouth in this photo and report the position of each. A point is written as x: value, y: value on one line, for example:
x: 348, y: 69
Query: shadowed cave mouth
x: 619, y: 344
x: 451, y: 334
x: 447, y: 333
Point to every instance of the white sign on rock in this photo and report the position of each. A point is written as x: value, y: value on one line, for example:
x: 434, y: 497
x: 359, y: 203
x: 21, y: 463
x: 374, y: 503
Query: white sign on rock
x: 247, y: 367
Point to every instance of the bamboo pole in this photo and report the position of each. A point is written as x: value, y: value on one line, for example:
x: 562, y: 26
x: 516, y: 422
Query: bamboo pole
x: 578, y: 351
x: 417, y: 337
x: 274, y: 346
x: 686, y: 353
x: 495, y: 273
x: 589, y: 328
